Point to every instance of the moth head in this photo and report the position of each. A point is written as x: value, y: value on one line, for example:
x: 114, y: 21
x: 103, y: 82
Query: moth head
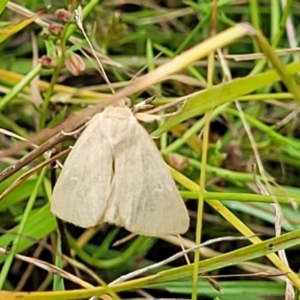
x: 123, y: 102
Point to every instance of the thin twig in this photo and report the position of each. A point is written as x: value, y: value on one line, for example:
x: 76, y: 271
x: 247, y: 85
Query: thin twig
x: 176, y: 256
x: 51, y: 269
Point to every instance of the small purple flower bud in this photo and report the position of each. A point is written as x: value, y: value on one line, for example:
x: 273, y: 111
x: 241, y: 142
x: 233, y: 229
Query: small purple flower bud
x: 63, y: 15
x: 47, y: 61
x: 55, y: 29
x: 75, y: 64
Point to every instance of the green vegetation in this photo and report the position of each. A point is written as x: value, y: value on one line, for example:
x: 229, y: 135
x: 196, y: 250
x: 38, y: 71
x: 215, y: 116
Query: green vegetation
x: 224, y: 77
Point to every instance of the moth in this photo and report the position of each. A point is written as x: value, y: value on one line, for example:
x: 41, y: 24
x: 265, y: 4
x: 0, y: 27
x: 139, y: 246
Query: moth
x: 116, y: 174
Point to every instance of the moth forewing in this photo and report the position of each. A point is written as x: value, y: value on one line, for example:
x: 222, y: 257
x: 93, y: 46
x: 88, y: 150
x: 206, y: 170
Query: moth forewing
x: 81, y: 192
x: 151, y: 202
x: 130, y: 185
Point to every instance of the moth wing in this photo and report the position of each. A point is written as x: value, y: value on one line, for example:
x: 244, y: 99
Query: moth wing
x: 147, y: 198
x: 81, y: 192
